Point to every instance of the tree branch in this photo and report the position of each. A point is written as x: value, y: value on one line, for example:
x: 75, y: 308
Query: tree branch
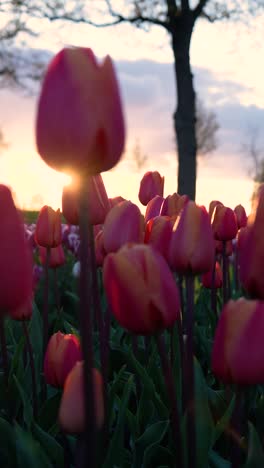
x: 185, y: 5
x: 198, y: 10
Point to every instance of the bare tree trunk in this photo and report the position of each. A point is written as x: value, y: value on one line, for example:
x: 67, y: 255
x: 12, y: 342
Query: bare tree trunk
x: 184, y: 117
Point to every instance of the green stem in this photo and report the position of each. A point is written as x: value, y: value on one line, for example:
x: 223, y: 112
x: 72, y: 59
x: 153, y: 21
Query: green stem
x: 5, y: 366
x: 32, y: 368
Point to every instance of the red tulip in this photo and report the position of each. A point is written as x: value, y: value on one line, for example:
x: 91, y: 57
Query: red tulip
x: 141, y: 289
x: 192, y: 245
x: 241, y: 216
x: 218, y: 278
x: 158, y: 233
x: 238, y: 343
x: 71, y: 412
x: 212, y: 207
x: 152, y: 184
x: 24, y: 312
x: 57, y: 256
x: 219, y: 247
x: 62, y: 353
x: 123, y: 224
x: 173, y: 204
x: 153, y: 207
x: 48, y: 227
x: 80, y: 124
x: 98, y: 203
x: 224, y: 223
x: 15, y: 257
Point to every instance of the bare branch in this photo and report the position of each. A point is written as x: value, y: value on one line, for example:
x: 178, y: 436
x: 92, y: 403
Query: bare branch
x: 198, y: 10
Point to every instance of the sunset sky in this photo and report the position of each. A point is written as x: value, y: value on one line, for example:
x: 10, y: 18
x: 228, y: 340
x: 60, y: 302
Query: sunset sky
x: 228, y: 75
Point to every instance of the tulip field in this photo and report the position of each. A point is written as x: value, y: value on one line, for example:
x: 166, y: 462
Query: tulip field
x: 131, y: 336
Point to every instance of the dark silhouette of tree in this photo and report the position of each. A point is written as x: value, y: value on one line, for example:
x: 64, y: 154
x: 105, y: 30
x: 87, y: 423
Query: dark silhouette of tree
x: 177, y: 17
x: 206, y: 128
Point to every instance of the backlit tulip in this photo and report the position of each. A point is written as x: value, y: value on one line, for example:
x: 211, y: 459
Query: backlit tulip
x: 62, y: 353
x: 153, y: 207
x: 151, y: 184
x: 141, y: 289
x: 100, y: 252
x: 173, y: 204
x: 224, y: 223
x: 48, y: 227
x: 212, y: 206
x: 192, y: 245
x: 219, y: 247
x: 15, y: 257
x: 123, y: 224
x: 114, y: 201
x: 98, y: 203
x: 241, y: 216
x: 72, y: 412
x: 80, y: 124
x: 237, y: 350
x: 158, y: 233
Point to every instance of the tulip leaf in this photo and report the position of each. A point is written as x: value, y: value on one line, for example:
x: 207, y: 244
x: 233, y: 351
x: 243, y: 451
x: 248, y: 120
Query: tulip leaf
x: 151, y: 437
x: 49, y: 412
x: 155, y: 454
x: 255, y: 458
x: 203, y: 418
x: 7, y: 444
x: 115, y: 450
x: 223, y: 422
x: 218, y: 462
x: 36, y: 339
x: 145, y: 410
x: 50, y: 445
x: 27, y: 408
x: 29, y: 451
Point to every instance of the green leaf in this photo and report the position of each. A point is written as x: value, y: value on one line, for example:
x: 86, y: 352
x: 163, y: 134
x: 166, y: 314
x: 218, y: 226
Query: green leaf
x: 29, y: 452
x: 156, y: 455
x: 218, y: 462
x: 27, y: 408
x: 152, y: 436
x: 49, y: 412
x: 50, y: 445
x: 223, y: 422
x: 8, y: 443
x: 114, y: 454
x: 255, y: 458
x: 203, y: 418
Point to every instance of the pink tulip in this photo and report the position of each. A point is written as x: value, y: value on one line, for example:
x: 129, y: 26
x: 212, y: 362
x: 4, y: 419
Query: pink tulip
x: 57, y: 256
x: 173, y: 204
x: 48, y: 227
x: 80, y: 124
x: 153, y: 207
x: 224, y: 223
x: 241, y: 216
x: 158, y: 233
x: 152, y: 184
x: 218, y: 278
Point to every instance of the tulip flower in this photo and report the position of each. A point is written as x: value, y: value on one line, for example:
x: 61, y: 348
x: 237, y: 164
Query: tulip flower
x: 152, y: 184
x: 237, y: 350
x: 141, y: 289
x: 191, y: 248
x: 56, y: 258
x: 23, y: 312
x: 123, y: 224
x: 158, y: 233
x: 241, y: 216
x: 100, y: 252
x: 173, y: 204
x: 114, y: 201
x: 219, y: 247
x: 48, y: 227
x: 98, y: 203
x: 80, y: 124
x: 224, y: 223
x: 208, y: 277
x: 153, y: 207
x: 72, y: 412
x: 251, y: 249
x: 212, y: 207
x: 62, y: 353
x: 15, y: 257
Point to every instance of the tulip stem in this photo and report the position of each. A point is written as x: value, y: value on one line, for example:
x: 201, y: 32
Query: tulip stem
x: 46, y: 304
x: 32, y: 368
x: 5, y: 365
x: 86, y: 454
x: 169, y: 381
x: 237, y: 427
x: 56, y: 289
x: 189, y: 373
x: 214, y: 291
x: 225, y: 281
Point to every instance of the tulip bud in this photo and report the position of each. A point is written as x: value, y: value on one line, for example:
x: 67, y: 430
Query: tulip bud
x: 192, y: 245
x: 207, y: 278
x: 237, y: 349
x: 224, y: 223
x: 153, y: 207
x: 158, y: 233
x: 241, y: 216
x: 72, y: 411
x: 48, y: 227
x: 141, y: 289
x: 212, y: 207
x: 62, y: 353
x: 152, y: 184
x: 173, y: 204
x: 15, y: 257
x: 56, y: 256
x: 114, y: 201
x: 123, y: 224
x: 80, y: 124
